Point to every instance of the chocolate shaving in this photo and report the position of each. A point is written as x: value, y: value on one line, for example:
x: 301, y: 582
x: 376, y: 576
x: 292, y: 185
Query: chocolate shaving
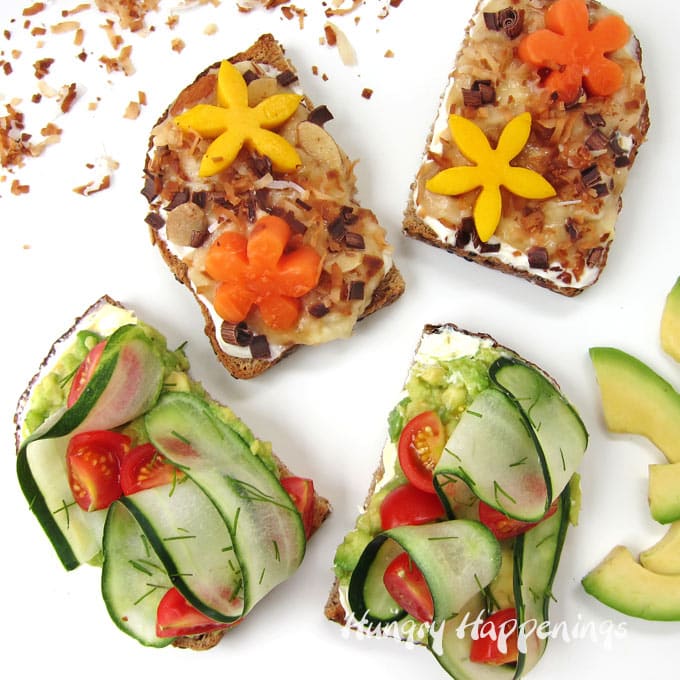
x: 249, y: 76
x: 318, y: 310
x: 508, y: 20
x: 482, y: 92
x: 294, y: 223
x: 472, y: 98
x: 594, y: 257
x: 355, y: 290
x: 348, y: 215
x: 261, y: 164
x: 259, y: 347
x: 538, y: 257
x: 354, y: 240
x: 320, y: 115
x: 179, y: 198
x: 200, y: 198
x: 570, y: 227
x: 302, y: 204
x: 337, y: 229
x: 615, y: 144
x: 464, y: 234
x: 597, y: 141
x: 251, y: 206
x: 236, y: 333
x: 198, y: 237
x: 600, y: 189
x: 621, y: 161
x: 594, y: 119
x: 155, y: 221
x: 285, y: 78
x: 262, y: 200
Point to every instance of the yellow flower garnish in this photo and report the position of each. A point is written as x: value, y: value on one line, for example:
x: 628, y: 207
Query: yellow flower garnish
x: 233, y: 123
x: 492, y: 170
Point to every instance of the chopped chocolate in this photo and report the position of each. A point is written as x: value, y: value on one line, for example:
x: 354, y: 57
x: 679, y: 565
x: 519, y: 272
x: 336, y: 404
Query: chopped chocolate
x: 472, y: 98
x: 538, y: 257
x: 486, y: 247
x: 600, y: 189
x: 296, y: 226
x: 320, y: 116
x: 464, y: 234
x: 621, y: 161
x: 179, y: 198
x: 251, y: 206
x: 482, y: 92
x: 597, y: 141
x: 249, y: 76
x: 261, y: 164
x: 355, y: 290
x: 354, y: 240
x: 286, y: 77
x: 149, y: 191
x: 198, y: 237
x: 348, y: 215
x: 236, y: 333
x: 155, y: 221
x: 262, y: 200
x: 594, y: 119
x: 337, y: 229
x: 200, y: 198
x: 615, y: 144
x: 259, y: 347
x: 591, y: 176
x: 318, y: 310
x: 543, y: 132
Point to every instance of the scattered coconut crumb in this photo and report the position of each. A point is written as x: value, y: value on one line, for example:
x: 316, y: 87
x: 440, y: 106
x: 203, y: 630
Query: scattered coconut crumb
x: 210, y: 29
x: 339, y: 10
x: 131, y: 13
x: 42, y: 67
x: 389, y: 54
x: 17, y: 188
x: 334, y: 36
x: 172, y: 21
x: 367, y: 93
x: 65, y: 27
x: 120, y: 63
x: 132, y: 111
x: 67, y: 97
x: 178, y: 45
x: 103, y: 168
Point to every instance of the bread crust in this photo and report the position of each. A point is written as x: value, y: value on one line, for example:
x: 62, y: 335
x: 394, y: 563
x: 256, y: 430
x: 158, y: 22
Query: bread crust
x: 266, y: 50
x: 415, y: 226
x: 322, y: 507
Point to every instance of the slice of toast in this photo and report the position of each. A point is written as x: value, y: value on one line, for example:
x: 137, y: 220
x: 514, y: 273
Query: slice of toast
x: 452, y: 374
x: 316, y: 199
x: 54, y: 377
x: 581, y: 142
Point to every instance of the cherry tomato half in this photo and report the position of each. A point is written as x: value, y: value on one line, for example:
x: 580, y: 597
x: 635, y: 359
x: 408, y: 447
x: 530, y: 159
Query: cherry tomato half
x: 93, y: 464
x: 502, y: 526
x: 500, y: 626
x: 420, y: 446
x: 406, y: 584
x: 301, y: 492
x: 84, y: 373
x: 176, y: 617
x: 407, y: 504
x: 144, y: 467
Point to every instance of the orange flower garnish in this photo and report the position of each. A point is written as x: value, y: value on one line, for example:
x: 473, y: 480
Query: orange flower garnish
x: 575, y: 51
x: 255, y: 270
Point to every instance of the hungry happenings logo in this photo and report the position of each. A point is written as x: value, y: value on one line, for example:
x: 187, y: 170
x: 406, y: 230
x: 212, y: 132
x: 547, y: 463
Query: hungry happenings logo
x: 415, y: 633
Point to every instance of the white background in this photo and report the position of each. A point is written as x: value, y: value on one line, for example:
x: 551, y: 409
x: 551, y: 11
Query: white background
x: 324, y: 408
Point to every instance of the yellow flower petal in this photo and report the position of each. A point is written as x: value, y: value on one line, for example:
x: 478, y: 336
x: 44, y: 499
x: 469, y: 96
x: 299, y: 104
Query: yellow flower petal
x: 469, y: 138
x: 514, y: 137
x: 527, y: 183
x: 220, y: 154
x: 454, y: 181
x: 280, y: 152
x: 276, y: 110
x: 204, y: 119
x: 487, y: 212
x: 231, y: 87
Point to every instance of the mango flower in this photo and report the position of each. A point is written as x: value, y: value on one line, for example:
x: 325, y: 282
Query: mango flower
x: 233, y: 124
x: 491, y: 171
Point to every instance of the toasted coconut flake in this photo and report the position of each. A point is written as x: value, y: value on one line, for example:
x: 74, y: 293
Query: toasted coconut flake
x: 34, y: 9
x: 210, y: 29
x: 65, y: 27
x: 17, y: 188
x: 338, y: 10
x: 335, y: 36
x: 178, y: 45
x: 132, y: 111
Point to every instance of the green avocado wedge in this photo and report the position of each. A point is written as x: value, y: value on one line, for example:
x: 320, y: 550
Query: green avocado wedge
x: 636, y: 400
x: 670, y: 323
x: 625, y: 585
x: 664, y: 492
x: 664, y: 557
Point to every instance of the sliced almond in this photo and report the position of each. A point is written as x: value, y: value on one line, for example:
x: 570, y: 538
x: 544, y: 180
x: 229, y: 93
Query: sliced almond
x: 260, y: 89
x: 318, y: 144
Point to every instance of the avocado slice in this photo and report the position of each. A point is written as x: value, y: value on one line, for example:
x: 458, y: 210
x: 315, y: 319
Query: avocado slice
x: 636, y: 400
x: 664, y: 492
x: 664, y: 556
x: 625, y: 585
x: 670, y: 322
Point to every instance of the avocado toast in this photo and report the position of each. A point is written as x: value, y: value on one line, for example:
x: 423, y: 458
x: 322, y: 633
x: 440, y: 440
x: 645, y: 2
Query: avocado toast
x: 468, y: 510
x: 128, y: 464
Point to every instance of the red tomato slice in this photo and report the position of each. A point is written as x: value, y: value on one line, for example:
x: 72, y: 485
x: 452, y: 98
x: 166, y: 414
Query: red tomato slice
x: 84, y: 373
x: 406, y: 584
x: 301, y: 492
x: 93, y: 463
x: 407, y: 504
x: 502, y: 526
x: 176, y: 617
x: 144, y: 467
x: 501, y: 625
x: 420, y: 446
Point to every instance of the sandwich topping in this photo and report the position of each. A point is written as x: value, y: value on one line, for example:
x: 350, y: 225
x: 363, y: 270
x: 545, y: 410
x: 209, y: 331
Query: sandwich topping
x: 575, y: 69
x: 253, y: 196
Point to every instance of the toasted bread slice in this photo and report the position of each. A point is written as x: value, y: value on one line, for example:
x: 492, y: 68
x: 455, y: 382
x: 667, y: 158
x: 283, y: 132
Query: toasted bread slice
x: 582, y: 142
x: 316, y: 199
x: 454, y: 374
x: 54, y: 377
